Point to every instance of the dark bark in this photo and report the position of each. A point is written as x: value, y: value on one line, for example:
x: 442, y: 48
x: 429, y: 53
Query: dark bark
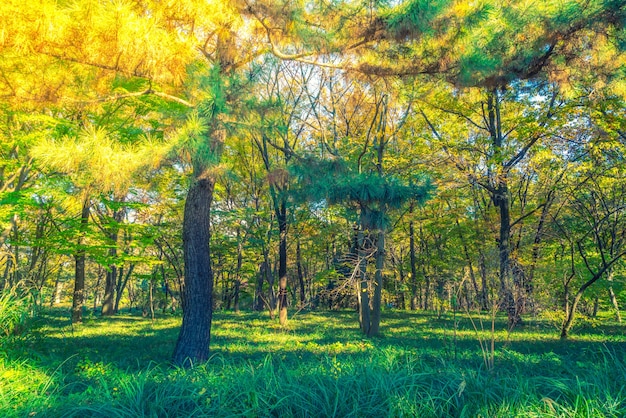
x: 363, y: 285
x: 378, y: 284
x: 613, y: 298
x: 413, y: 282
x: 300, y: 274
x: 259, y: 303
x: 501, y: 199
x: 79, y: 271
x: 470, y: 267
x: 570, y: 313
x: 109, y: 287
x: 507, y: 300
x: 281, y: 216
x: 529, y: 284
x: 192, y: 346
x: 121, y: 285
x: 482, y: 267
x: 113, y: 275
x: 427, y: 290
x: 238, y: 272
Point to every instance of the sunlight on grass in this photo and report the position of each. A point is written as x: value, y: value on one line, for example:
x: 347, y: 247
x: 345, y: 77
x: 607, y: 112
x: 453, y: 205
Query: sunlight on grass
x: 319, y: 365
x: 21, y: 384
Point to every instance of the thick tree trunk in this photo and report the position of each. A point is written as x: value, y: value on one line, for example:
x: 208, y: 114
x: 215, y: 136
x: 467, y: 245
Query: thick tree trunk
x: 108, y: 304
x: 79, y: 271
x: 192, y: 346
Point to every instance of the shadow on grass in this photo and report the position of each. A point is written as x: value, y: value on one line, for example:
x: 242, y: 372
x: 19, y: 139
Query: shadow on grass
x: 131, y: 342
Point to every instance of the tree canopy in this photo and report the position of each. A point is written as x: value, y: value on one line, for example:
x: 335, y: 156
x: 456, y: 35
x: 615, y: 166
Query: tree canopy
x: 218, y: 154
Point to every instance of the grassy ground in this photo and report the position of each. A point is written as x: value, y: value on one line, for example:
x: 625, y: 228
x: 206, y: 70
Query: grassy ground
x: 320, y: 366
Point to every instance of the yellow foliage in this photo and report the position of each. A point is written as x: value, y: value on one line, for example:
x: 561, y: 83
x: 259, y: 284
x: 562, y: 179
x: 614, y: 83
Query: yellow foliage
x: 50, y: 51
x: 95, y: 160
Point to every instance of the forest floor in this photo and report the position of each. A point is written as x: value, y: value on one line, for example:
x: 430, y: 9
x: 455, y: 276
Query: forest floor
x: 422, y: 365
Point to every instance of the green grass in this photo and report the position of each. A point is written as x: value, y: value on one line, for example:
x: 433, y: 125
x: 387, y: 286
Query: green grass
x: 320, y: 366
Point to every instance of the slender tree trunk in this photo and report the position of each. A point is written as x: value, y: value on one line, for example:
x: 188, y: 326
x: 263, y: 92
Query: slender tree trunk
x: 570, y: 311
x: 122, y: 281
x: 482, y: 267
x: 529, y: 284
x: 507, y: 300
x: 258, y: 292
x: 300, y: 274
x: 96, y: 289
x: 271, y: 292
x: 501, y: 199
x: 570, y: 314
x: 58, y: 290
x: 470, y: 267
x: 192, y: 346
x: 238, y: 271
x: 613, y: 298
x: 378, y: 284
x: 363, y: 285
x: 151, y: 297
x: 281, y: 216
x: 414, y: 284
x: 79, y: 271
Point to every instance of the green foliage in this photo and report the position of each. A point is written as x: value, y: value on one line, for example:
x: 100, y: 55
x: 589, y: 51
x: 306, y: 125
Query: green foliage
x: 337, y: 184
x: 319, y: 366
x: 15, y: 310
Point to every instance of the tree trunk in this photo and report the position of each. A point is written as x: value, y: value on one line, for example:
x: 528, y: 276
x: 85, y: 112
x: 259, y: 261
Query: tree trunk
x: 281, y: 216
x: 151, y: 297
x: 300, y: 274
x: 413, y: 283
x: 79, y: 270
x: 613, y: 298
x: 121, y: 285
x: 378, y: 284
x: 109, y: 287
x: 570, y: 311
x: 570, y: 315
x: 58, y: 291
x: 501, y: 200
x: 192, y: 346
x: 238, y: 271
x: 113, y: 275
x: 507, y: 300
x: 258, y: 292
x: 363, y: 296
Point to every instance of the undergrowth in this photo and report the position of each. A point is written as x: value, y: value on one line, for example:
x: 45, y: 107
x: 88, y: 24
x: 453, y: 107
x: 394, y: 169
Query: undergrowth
x: 319, y: 367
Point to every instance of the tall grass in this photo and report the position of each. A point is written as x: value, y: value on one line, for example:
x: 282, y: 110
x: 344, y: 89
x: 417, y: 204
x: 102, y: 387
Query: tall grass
x: 14, y: 312
x: 321, y: 367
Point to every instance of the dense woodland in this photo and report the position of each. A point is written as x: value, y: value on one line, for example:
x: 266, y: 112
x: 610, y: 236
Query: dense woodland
x: 281, y: 156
